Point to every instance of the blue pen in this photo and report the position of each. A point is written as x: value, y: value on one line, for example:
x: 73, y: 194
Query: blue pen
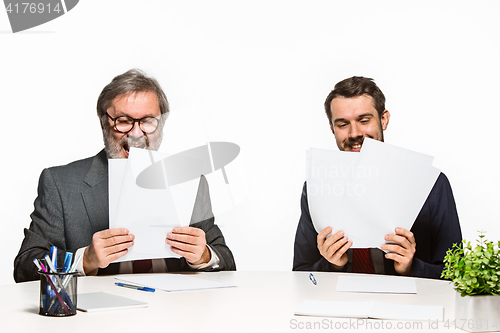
x: 311, y: 277
x: 53, y: 257
x: 71, y: 270
x: 131, y: 286
x: 67, y: 262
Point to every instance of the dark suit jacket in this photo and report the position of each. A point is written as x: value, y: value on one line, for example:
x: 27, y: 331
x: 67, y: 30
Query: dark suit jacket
x: 436, y: 229
x: 72, y: 205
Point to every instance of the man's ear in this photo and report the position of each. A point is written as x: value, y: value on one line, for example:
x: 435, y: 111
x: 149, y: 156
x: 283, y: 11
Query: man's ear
x: 101, y: 121
x: 331, y: 127
x: 384, y: 119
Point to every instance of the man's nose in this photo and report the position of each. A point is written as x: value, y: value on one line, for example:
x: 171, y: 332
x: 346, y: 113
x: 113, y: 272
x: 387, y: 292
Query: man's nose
x: 355, y: 131
x: 136, y: 131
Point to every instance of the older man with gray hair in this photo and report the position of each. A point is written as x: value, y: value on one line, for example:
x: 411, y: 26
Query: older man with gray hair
x: 71, y: 210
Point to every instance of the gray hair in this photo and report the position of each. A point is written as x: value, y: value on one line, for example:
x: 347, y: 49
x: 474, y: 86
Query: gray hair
x: 132, y: 81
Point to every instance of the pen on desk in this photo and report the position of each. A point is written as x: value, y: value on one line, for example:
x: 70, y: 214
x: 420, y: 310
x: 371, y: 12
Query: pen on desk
x: 311, y: 277
x: 131, y: 286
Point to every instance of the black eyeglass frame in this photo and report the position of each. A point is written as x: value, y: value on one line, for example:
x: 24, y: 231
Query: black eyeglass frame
x: 138, y: 120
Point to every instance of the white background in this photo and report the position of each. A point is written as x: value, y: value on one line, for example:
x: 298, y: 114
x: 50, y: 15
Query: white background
x: 256, y: 74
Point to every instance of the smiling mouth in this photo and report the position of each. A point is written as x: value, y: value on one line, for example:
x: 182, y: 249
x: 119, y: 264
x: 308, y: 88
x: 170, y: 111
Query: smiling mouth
x: 354, y: 145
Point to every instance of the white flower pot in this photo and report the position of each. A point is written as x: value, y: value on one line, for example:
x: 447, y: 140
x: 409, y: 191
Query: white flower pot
x: 477, y: 313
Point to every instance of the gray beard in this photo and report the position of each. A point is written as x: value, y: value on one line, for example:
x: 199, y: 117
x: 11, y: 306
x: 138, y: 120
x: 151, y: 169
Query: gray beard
x: 113, y: 147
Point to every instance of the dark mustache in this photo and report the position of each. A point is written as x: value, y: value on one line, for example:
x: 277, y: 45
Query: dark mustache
x: 354, y: 141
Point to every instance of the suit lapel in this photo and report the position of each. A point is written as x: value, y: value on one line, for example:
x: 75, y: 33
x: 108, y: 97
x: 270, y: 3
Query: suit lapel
x: 95, y: 197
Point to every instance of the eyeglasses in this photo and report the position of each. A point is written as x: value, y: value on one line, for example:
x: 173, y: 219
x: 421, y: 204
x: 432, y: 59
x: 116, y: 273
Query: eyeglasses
x: 125, y: 124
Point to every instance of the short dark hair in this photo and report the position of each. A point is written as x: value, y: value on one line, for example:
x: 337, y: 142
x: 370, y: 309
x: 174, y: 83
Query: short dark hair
x: 353, y: 87
x: 132, y: 81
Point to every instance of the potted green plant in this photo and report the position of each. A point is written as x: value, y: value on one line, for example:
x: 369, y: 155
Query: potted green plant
x: 475, y: 274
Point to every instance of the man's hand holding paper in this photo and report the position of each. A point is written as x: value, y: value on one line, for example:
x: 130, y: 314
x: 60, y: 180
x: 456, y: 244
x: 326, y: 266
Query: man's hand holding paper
x: 106, y: 246
x: 401, y: 248
x: 190, y: 243
x: 402, y: 252
x: 334, y: 248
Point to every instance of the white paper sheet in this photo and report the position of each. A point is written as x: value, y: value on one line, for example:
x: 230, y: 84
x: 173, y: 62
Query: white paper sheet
x: 364, y: 310
x: 116, y: 172
x: 406, y: 312
x: 367, y: 194
x: 334, y: 309
x: 376, y: 284
x: 329, y: 176
x: 149, y: 214
x: 103, y: 301
x: 391, y: 199
x: 172, y: 282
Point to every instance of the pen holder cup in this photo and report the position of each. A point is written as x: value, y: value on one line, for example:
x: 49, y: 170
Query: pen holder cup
x: 58, y: 294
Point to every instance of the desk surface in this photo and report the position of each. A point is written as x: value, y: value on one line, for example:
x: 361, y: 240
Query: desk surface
x: 261, y: 302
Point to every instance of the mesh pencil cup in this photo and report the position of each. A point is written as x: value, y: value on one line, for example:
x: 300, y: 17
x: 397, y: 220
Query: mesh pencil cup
x: 58, y: 294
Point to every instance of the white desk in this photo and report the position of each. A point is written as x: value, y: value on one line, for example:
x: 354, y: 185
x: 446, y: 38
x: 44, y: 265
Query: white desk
x: 261, y: 302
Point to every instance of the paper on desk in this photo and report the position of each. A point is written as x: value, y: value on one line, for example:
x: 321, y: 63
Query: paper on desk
x: 172, y: 282
x: 149, y: 214
x: 103, y: 301
x: 368, y: 194
x: 376, y: 284
x: 334, y: 309
x: 366, y: 310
